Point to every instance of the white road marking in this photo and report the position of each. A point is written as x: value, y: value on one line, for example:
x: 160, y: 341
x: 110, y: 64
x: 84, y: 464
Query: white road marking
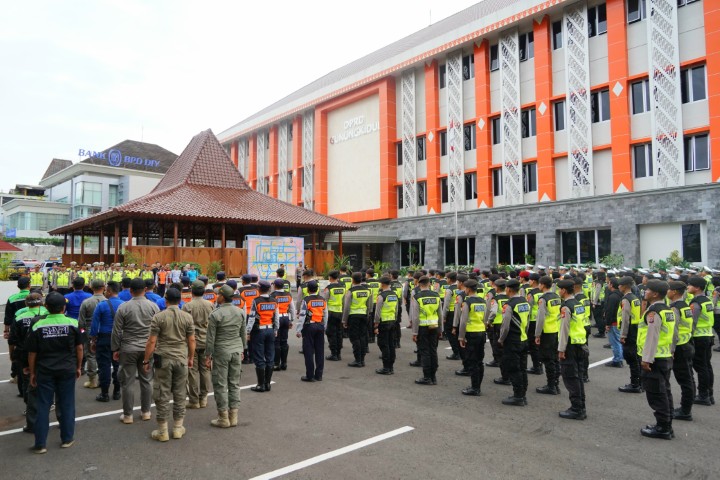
x: 4, y: 353
x: 105, y: 414
x: 600, y: 362
x: 335, y: 453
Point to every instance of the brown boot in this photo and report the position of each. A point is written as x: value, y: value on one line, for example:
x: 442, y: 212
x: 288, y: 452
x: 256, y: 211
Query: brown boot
x: 161, y: 434
x: 178, y: 430
x: 232, y: 417
x: 203, y: 402
x: 222, y: 420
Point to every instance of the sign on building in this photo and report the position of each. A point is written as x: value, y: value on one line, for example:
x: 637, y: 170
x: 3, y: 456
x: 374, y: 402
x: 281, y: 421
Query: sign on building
x: 266, y: 254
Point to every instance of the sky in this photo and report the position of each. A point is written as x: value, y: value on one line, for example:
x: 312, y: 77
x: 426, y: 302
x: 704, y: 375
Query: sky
x: 90, y: 74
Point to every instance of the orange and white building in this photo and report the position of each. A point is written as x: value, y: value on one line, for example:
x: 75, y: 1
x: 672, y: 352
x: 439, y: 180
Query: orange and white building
x: 558, y: 130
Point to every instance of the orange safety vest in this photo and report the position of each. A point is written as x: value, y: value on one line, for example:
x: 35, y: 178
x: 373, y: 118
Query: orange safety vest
x: 265, y: 310
x: 210, y: 296
x: 162, y: 277
x: 248, y: 294
x: 316, y: 305
x: 238, y: 301
x: 186, y: 295
x: 284, y: 300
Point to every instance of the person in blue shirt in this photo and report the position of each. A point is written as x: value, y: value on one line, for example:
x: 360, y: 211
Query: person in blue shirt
x: 149, y: 293
x: 125, y: 294
x: 162, y: 305
x: 192, y: 274
x: 76, y: 298
x: 100, y: 333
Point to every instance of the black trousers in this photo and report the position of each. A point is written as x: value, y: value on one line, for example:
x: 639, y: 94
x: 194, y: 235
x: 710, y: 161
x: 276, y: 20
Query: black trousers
x: 447, y: 330
x: 571, y: 369
x: 586, y: 364
x: 702, y: 365
x: 370, y: 327
x: 533, y: 350
x: 549, y: 357
x: 656, y: 383
x: 386, y: 342
x: 631, y: 357
x: 313, y: 341
x: 427, y: 343
x: 598, y: 312
x: 357, y: 331
x: 683, y: 371
x: 514, y: 362
x: 475, y: 356
x: 493, y: 333
x: 398, y: 329
x: 335, y: 332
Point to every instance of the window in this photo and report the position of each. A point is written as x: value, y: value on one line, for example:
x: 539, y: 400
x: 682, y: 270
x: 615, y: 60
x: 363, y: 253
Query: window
x: 301, y: 175
x: 642, y: 156
x: 289, y: 181
x: 691, y: 246
x: 465, y: 251
x: 444, y: 195
x: 289, y: 132
x: 88, y: 193
x: 640, y: 96
x: 412, y: 253
x: 682, y: 3
x: 597, y: 20
x: 584, y: 246
x: 514, y: 249
x: 527, y: 46
x: 697, y: 153
x: 421, y: 148
x: 36, y: 221
x: 496, y: 130
x: 600, y: 103
x: 113, y: 199
x: 469, y: 137
x: 497, y: 182
x: 399, y: 193
x: 442, y: 75
x: 443, y: 143
x: 692, y: 84
x: 398, y: 153
x: 636, y: 10
x: 494, y: 58
x: 557, y: 36
x: 528, y: 126
x: 468, y: 66
x: 471, y: 186
x: 421, y: 194
x: 529, y: 177
x: 83, y: 212
x: 559, y: 109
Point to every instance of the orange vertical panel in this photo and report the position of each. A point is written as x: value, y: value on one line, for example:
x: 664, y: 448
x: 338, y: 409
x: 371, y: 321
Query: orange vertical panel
x: 543, y: 92
x: 711, y: 10
x: 483, y: 153
x: 388, y: 134
x: 619, y: 104
x: 252, y: 160
x: 297, y: 161
x: 272, y: 175
x: 320, y: 151
x: 432, y: 149
x: 234, y: 153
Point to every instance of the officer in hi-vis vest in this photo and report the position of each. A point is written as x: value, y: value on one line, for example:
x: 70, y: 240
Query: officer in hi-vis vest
x: 263, y: 324
x: 37, y: 279
x: 683, y: 349
x: 513, y: 341
x: 312, y: 321
x: 572, y: 350
x: 628, y: 317
x: 703, y: 318
x: 547, y: 326
x: 472, y: 335
x: 333, y: 294
x: 654, y: 347
x: 386, y: 308
x: 425, y: 319
x: 286, y: 315
x: 357, y: 304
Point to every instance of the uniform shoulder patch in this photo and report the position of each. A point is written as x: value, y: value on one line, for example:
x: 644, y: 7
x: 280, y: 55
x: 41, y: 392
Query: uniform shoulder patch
x: 651, y: 317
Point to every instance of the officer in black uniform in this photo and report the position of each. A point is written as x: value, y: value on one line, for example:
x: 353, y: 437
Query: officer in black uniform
x: 533, y: 294
x: 572, y: 350
x: 684, y: 349
x: 356, y: 307
x: 513, y: 341
x: 472, y: 335
x: 425, y: 316
x: 386, y: 308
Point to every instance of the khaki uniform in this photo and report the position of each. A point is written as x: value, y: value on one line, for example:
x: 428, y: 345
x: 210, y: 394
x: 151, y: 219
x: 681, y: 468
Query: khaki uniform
x: 225, y: 341
x: 172, y: 328
x: 199, y: 380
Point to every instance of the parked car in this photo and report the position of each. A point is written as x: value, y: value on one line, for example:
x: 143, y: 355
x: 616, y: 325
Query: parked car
x: 47, y: 265
x: 16, y: 269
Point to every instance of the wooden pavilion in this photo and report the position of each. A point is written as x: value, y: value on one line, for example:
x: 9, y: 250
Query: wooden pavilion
x: 201, y: 211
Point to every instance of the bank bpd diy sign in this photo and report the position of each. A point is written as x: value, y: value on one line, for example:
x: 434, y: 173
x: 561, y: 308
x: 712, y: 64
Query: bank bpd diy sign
x: 115, y: 158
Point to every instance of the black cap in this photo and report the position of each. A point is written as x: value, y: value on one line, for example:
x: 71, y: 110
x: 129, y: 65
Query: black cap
x: 534, y: 276
x: 471, y: 284
x: 627, y: 281
x: 513, y: 284
x: 568, y: 285
x: 220, y: 275
x: 501, y: 283
x: 279, y: 283
x: 677, y: 286
x: 312, y: 286
x: 697, y: 282
x: 172, y: 295
x: 658, y: 286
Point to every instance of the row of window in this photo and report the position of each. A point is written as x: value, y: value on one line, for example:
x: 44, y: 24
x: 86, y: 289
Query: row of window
x: 36, y: 221
x: 697, y: 156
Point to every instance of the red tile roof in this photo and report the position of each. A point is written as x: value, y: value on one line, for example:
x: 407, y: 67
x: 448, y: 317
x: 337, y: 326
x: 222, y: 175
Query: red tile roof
x: 204, y: 185
x: 8, y: 247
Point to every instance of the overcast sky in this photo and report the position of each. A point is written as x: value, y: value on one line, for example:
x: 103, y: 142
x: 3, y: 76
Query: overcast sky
x: 90, y: 74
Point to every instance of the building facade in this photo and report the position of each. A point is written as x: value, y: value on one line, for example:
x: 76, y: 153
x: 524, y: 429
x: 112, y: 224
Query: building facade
x: 514, y: 131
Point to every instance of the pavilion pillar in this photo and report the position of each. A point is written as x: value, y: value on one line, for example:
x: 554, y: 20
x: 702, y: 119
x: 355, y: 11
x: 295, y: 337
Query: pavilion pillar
x: 312, y: 254
x: 340, y: 243
x: 162, y: 233
x: 65, y: 245
x: 277, y: 231
x: 72, y: 247
x: 222, y: 245
x: 116, y: 243
x: 82, y: 247
x: 101, y: 245
x: 130, y: 233
x: 209, y: 241
x: 175, y: 241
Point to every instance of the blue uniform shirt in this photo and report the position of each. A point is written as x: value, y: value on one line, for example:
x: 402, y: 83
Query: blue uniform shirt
x: 102, y: 321
x: 125, y: 295
x: 162, y: 305
x: 74, y: 300
x: 192, y: 275
x: 153, y: 297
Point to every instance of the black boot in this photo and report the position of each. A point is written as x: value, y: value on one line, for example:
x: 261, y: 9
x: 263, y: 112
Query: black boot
x: 356, y: 363
x: 703, y: 399
x: 573, y: 414
x: 268, y: 377
x: 276, y: 362
x: 260, y: 387
x: 515, y: 401
x: 658, y: 431
x: 548, y: 390
x: 116, y: 393
x: 630, y: 388
x: 680, y: 414
x: 246, y: 358
x: 502, y: 381
x: 283, y: 356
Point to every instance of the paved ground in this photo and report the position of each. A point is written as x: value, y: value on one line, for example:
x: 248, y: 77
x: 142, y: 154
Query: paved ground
x: 452, y: 436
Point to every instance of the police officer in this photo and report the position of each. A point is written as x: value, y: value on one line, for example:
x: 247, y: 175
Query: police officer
x: 248, y: 293
x: 654, y: 347
x: 334, y: 294
x: 581, y: 296
x: 702, y: 312
x: 597, y: 302
x: 572, y: 350
x: 546, y: 335
x: 472, y: 335
x: 357, y: 304
x: 495, y: 299
x: 373, y: 284
x: 532, y: 295
x: 425, y: 312
x: 448, y: 292
x: 286, y: 315
x: 628, y: 317
x: 683, y: 349
x: 397, y: 287
x: 513, y: 341
x: 386, y: 309
x: 198, y: 382
x: 37, y: 279
x: 263, y: 324
x: 312, y: 321
x: 61, y: 280
x: 172, y: 343
x: 224, y: 347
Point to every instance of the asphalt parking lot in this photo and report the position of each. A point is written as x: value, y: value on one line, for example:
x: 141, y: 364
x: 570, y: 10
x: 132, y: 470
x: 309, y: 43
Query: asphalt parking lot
x: 357, y: 424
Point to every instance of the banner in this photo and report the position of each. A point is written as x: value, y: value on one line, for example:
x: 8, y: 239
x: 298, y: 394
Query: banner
x: 266, y: 254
